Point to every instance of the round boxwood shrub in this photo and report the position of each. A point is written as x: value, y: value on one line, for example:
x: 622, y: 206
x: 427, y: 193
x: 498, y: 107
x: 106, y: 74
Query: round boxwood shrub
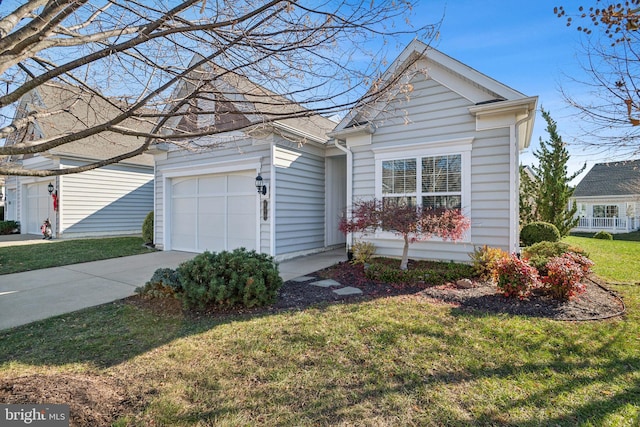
x: 539, y: 231
x: 239, y: 277
x: 603, y: 235
x: 147, y: 228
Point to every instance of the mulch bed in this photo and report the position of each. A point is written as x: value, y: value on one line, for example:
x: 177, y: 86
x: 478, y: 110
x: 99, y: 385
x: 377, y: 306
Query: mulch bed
x: 596, y: 303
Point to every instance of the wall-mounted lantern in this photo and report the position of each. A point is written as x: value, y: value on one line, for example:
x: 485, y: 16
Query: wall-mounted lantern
x: 262, y: 189
x: 50, y: 188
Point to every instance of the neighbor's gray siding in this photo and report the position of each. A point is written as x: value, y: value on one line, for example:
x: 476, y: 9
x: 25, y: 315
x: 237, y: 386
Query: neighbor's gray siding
x: 216, y: 155
x: 300, y: 199
x: 113, y: 200
x: 436, y: 113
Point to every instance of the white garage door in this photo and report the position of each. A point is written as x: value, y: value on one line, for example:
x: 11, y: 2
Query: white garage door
x: 214, y: 212
x: 37, y: 207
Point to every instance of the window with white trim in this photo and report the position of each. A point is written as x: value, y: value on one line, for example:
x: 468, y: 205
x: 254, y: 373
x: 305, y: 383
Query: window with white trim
x: 605, y: 211
x: 440, y: 179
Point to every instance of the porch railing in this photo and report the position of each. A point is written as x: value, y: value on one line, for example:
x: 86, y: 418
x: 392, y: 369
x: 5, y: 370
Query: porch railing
x: 621, y: 224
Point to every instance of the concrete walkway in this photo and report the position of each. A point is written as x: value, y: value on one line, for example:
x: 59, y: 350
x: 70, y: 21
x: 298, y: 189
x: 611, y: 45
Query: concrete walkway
x: 39, y: 294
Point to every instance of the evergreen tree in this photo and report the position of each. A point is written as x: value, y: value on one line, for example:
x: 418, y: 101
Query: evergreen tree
x: 553, y: 196
x: 529, y: 190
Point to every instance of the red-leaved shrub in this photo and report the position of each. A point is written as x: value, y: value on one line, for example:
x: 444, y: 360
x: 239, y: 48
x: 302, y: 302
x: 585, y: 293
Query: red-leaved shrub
x: 516, y: 277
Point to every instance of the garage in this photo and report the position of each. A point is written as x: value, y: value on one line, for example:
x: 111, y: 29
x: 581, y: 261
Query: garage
x: 214, y: 212
x: 37, y: 207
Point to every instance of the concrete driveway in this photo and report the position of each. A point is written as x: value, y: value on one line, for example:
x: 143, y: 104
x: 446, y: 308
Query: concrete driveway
x: 39, y: 294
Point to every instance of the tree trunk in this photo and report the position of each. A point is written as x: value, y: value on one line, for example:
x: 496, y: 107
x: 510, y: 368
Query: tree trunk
x: 405, y: 254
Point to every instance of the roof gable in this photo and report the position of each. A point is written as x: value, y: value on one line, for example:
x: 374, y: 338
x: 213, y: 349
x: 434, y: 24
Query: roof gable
x: 230, y: 102
x: 418, y: 57
x: 610, y: 179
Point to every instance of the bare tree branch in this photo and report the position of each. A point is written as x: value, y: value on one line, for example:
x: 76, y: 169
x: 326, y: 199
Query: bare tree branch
x: 144, y: 70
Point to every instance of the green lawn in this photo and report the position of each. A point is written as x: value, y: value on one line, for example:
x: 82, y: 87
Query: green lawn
x: 14, y: 259
x: 386, y: 362
x: 615, y: 260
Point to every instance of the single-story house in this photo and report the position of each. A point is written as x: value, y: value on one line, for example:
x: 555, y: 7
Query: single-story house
x: 108, y: 201
x: 608, y: 198
x: 444, y: 135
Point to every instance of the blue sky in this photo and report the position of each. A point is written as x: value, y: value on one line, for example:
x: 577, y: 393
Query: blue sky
x: 523, y: 45
x: 519, y: 43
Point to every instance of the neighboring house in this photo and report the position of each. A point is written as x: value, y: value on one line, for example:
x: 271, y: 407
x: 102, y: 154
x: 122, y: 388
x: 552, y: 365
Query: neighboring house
x: 608, y: 198
x: 111, y: 200
x: 452, y: 140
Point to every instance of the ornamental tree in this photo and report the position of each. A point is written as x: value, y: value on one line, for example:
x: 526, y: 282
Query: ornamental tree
x: 413, y: 223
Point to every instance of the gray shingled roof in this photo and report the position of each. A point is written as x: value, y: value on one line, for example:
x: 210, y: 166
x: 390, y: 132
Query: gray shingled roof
x: 79, y: 110
x: 610, y: 179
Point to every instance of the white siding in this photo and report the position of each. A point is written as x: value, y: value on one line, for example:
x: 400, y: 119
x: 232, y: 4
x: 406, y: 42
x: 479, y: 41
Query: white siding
x: 113, y: 200
x: 300, y: 199
x: 434, y: 113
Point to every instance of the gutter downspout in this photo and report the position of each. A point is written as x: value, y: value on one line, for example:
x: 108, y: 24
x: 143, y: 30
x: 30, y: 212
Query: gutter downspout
x: 349, y: 184
x: 516, y: 190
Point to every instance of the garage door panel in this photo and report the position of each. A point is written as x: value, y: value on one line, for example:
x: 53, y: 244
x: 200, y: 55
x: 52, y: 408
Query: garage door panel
x: 212, y: 185
x: 240, y: 183
x: 214, y: 205
x: 184, y: 186
x: 184, y: 205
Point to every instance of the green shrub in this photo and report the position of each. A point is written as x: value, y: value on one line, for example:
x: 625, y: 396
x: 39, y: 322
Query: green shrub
x: 164, y: 283
x: 540, y: 253
x: 484, y: 261
x: 539, y: 231
x: 432, y: 273
x: 9, y: 227
x: 147, y: 228
x: 227, y: 278
x: 603, y: 235
x: 516, y: 277
x: 362, y: 252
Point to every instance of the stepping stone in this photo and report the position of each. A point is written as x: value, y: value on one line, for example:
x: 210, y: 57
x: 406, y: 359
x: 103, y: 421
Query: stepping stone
x: 327, y: 283
x: 349, y: 290
x: 303, y: 279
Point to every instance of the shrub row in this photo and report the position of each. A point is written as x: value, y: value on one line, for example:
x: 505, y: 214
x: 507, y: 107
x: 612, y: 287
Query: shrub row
x: 239, y: 277
x: 438, y: 273
x: 553, y: 267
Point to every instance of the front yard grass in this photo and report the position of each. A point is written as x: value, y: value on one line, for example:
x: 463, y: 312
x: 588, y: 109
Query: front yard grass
x: 389, y: 361
x: 14, y: 259
x: 615, y: 260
